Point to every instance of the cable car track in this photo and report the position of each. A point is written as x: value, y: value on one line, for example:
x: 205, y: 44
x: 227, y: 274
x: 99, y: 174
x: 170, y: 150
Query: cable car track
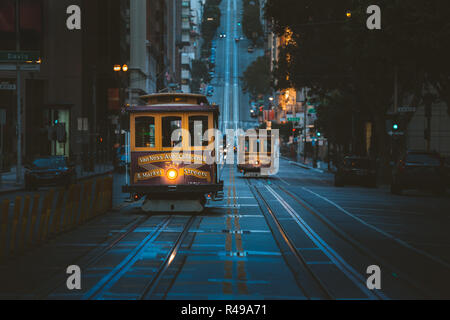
x: 302, y: 265
x: 108, y: 281
x: 357, y: 246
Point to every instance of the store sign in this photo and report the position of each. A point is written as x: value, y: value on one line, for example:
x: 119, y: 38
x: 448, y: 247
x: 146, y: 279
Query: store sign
x: 19, y: 56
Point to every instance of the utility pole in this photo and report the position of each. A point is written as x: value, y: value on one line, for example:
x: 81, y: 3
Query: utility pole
x: 19, y: 107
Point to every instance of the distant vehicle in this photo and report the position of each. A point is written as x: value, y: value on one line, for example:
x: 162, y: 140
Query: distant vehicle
x: 223, y: 35
x: 250, y: 49
x: 258, y: 154
x: 49, y: 171
x: 237, y: 39
x: 419, y: 170
x: 356, y: 170
x: 253, y: 112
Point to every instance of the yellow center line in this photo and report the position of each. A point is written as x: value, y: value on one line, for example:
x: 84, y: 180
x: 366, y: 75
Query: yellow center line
x: 241, y: 273
x: 227, y: 285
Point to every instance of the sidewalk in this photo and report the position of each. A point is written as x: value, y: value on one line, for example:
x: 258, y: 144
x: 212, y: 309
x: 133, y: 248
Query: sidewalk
x: 8, y: 179
x: 308, y: 164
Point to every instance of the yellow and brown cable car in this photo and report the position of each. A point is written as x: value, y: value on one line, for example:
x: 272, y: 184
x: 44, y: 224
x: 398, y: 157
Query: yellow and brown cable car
x: 258, y: 153
x: 173, y: 175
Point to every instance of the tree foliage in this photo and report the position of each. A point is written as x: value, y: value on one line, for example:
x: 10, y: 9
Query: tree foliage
x: 331, y: 53
x: 211, y: 19
x: 251, y: 23
x: 257, y: 77
x: 199, y: 75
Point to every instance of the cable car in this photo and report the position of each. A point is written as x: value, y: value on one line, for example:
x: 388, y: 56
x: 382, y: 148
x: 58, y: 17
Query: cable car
x: 257, y: 153
x: 168, y: 166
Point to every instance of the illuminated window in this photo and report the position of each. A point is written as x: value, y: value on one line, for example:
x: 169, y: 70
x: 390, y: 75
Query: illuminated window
x: 145, y: 132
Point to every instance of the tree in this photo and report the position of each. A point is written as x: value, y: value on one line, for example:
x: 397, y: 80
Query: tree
x: 199, y: 75
x: 251, y: 23
x: 330, y: 53
x: 257, y: 77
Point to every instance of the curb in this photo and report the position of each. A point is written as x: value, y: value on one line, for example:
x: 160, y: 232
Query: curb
x: 301, y: 165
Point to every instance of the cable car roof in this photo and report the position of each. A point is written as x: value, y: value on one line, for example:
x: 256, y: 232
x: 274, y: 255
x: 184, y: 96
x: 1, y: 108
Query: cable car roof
x: 175, y: 102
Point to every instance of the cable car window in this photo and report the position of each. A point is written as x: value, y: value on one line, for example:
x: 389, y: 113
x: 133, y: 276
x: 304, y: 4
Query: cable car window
x: 169, y: 125
x: 198, y: 125
x: 268, y: 144
x: 145, y: 132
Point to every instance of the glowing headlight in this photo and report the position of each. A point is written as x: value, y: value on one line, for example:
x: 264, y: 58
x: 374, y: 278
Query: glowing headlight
x: 172, y: 174
x: 257, y: 162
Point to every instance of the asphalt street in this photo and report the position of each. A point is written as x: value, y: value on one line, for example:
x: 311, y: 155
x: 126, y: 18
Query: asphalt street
x: 291, y: 236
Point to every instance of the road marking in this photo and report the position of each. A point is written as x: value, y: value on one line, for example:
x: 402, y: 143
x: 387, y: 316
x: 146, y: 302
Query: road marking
x: 399, y: 241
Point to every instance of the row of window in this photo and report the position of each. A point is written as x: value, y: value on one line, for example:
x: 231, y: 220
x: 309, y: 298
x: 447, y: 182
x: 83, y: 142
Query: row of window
x: 145, y: 131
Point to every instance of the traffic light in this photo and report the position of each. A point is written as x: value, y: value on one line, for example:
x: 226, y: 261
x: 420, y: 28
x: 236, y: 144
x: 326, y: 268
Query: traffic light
x: 319, y: 134
x: 395, y: 127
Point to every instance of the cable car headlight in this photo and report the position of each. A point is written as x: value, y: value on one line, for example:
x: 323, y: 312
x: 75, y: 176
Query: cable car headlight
x: 172, y: 174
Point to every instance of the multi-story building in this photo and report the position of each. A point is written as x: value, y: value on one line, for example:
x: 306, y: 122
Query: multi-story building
x: 70, y: 84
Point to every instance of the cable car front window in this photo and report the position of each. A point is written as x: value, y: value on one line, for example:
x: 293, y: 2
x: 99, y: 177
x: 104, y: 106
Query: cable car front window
x: 169, y: 125
x: 145, y: 132
x: 198, y: 126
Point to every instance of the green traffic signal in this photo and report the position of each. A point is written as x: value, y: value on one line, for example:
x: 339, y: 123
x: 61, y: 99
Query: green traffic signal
x: 395, y: 126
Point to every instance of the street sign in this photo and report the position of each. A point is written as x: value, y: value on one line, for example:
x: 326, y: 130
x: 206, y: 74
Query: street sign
x: 294, y: 119
x: 19, y: 56
x: 406, y: 109
x: 399, y: 133
x: 7, y: 86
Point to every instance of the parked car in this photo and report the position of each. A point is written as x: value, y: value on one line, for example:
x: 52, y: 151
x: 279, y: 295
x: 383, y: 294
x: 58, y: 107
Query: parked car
x: 250, y: 49
x: 419, y: 170
x: 49, y: 171
x: 356, y: 170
